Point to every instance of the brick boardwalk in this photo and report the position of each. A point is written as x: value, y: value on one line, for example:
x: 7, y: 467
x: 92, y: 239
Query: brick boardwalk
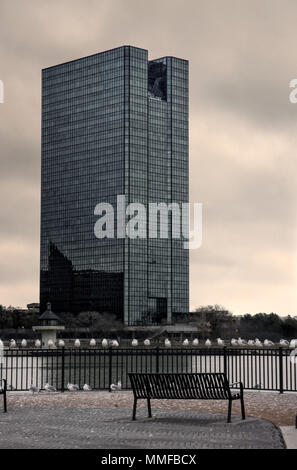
x: 81, y: 427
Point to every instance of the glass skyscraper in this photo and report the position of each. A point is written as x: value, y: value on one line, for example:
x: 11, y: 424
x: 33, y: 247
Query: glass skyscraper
x: 113, y: 123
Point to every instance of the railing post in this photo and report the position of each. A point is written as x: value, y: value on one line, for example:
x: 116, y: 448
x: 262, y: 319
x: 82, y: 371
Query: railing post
x: 157, y: 359
x: 109, y: 367
x: 281, y: 377
x: 63, y: 369
x: 225, y: 359
x: 1, y: 364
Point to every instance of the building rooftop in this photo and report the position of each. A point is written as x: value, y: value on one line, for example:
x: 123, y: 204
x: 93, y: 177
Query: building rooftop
x: 49, y: 314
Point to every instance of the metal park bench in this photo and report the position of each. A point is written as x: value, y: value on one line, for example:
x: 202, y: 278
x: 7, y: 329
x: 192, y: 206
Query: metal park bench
x: 3, y: 392
x: 202, y: 386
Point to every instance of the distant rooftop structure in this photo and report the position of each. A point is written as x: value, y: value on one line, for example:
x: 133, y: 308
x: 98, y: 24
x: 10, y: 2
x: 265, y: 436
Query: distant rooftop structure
x: 49, y: 324
x: 33, y: 306
x: 49, y: 317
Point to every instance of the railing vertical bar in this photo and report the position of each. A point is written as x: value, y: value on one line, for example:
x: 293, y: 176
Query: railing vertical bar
x: 1, y: 365
x: 291, y: 372
x: 37, y: 371
x: 263, y: 368
x: 127, y: 369
x: 110, y: 368
x: 271, y: 372
x: 157, y: 359
x: 247, y: 367
x: 225, y: 360
x: 42, y: 380
x: 122, y: 377
x: 11, y: 362
x: 93, y: 385
x: 51, y: 361
x: 269, y: 362
x: 287, y: 374
x: 104, y: 368
x: 30, y: 369
x: 69, y: 365
x: 57, y: 355
x: 7, y: 357
x: 244, y: 367
x: 248, y: 361
x: 79, y: 366
x: 258, y: 380
x: 27, y: 369
x: 277, y: 365
x: 240, y: 378
x: 288, y: 369
x: 62, y: 369
x: 90, y: 368
x: 21, y: 353
x: 85, y: 366
x: 289, y: 366
x: 295, y: 376
x: 251, y: 368
x: 47, y: 366
x: 266, y: 369
x: 14, y: 364
x: 74, y: 351
x: 141, y: 360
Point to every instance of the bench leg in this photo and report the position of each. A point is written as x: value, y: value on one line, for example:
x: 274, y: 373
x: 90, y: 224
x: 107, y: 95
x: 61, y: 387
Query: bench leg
x: 149, y: 408
x: 229, y: 411
x: 4, y: 402
x: 242, y: 406
x: 134, y: 409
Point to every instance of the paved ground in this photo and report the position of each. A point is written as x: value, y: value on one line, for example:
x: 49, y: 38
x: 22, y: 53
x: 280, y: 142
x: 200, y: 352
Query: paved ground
x: 109, y: 428
x: 290, y: 436
x: 281, y: 409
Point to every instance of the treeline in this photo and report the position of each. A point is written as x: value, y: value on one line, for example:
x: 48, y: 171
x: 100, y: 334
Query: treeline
x: 12, y: 318
x: 271, y: 326
x: 16, y: 318
x: 216, y: 321
x: 213, y: 321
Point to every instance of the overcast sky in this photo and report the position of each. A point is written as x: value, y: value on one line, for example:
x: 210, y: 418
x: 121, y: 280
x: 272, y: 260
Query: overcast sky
x: 243, y: 135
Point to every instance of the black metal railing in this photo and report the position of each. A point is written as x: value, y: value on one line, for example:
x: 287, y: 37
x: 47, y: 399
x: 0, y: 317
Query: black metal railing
x: 265, y: 369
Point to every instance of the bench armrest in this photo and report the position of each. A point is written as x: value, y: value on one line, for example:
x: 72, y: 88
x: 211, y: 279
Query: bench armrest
x: 236, y: 383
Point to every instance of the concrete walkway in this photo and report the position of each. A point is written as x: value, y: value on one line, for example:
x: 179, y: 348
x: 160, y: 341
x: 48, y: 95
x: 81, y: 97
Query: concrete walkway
x: 290, y: 436
x: 62, y: 427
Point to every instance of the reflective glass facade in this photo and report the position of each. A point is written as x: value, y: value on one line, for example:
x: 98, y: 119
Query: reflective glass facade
x: 113, y: 124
